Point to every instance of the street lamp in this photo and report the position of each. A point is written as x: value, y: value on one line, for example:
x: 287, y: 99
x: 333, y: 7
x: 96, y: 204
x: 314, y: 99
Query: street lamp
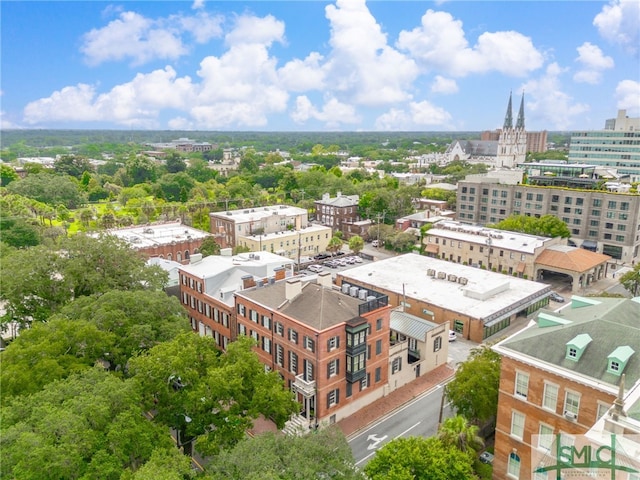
x: 489, y: 243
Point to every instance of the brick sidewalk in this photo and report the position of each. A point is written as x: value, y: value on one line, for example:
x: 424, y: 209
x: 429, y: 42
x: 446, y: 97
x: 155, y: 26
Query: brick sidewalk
x: 385, y: 405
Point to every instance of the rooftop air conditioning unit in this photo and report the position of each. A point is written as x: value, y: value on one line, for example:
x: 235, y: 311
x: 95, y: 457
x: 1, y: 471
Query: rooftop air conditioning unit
x: 362, y: 294
x: 353, y: 291
x: 452, y: 278
x: 570, y: 415
x: 431, y: 272
x: 345, y: 288
x: 442, y: 275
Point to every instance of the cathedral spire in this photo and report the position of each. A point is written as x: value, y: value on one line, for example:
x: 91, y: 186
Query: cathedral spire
x: 520, y: 121
x: 508, y: 118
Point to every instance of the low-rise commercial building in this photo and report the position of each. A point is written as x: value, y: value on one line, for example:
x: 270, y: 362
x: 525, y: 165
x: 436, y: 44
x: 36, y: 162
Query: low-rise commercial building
x: 475, y: 303
x: 171, y: 241
x: 293, y: 244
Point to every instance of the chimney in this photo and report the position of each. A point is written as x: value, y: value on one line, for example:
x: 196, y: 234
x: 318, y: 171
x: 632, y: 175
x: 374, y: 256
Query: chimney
x: 279, y: 273
x: 293, y: 288
x: 338, y: 194
x: 325, y: 197
x: 324, y: 279
x: 248, y: 282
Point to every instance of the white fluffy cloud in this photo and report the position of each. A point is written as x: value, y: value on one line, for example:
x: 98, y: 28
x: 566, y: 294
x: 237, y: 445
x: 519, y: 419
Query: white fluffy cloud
x: 628, y: 97
x: 549, y: 103
x: 136, y: 103
x: 592, y: 62
x: 619, y: 23
x: 439, y: 44
x: 332, y: 114
x: 140, y: 39
x: 419, y: 115
x: 443, y: 85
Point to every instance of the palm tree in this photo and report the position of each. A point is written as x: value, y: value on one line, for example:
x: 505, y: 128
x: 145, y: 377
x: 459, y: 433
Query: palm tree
x: 334, y: 244
x: 456, y: 431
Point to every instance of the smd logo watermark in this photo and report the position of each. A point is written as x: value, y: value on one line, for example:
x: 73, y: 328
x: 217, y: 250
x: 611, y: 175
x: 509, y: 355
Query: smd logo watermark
x: 566, y: 457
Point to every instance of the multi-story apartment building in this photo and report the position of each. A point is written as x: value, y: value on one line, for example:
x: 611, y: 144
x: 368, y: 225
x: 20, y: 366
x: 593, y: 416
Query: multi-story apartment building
x: 338, y: 212
x: 331, y: 348
x: 475, y: 303
x: 229, y: 225
x: 618, y: 146
x: 172, y: 241
x: 292, y: 244
x: 500, y: 251
x: 560, y: 375
x: 602, y: 221
x: 207, y: 287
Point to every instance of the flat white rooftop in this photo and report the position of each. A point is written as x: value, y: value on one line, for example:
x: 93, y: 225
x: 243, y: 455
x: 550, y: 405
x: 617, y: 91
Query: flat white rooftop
x: 158, y: 234
x: 258, y: 213
x: 499, y: 238
x: 259, y: 264
x: 287, y: 233
x: 484, y: 295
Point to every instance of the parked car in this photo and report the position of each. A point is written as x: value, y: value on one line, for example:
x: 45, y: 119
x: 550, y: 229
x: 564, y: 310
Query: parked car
x: 315, y: 268
x: 486, y: 457
x: 358, y: 259
x: 452, y: 336
x: 374, y: 243
x: 321, y: 256
x: 556, y: 297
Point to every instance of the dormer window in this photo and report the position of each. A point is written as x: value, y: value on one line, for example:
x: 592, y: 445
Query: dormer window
x: 577, y: 346
x: 617, y: 360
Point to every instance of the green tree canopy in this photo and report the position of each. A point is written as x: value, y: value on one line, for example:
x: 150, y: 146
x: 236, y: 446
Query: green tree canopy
x: 72, y: 165
x: 335, y: 244
x: 457, y: 432
x: 474, y: 390
x: 545, y: 226
x: 631, y: 280
x: 38, y: 281
x: 356, y: 244
x: 209, y: 396
x: 50, y: 189
x: 209, y: 247
x: 417, y: 458
x: 7, y: 175
x: 88, y: 426
x: 321, y: 454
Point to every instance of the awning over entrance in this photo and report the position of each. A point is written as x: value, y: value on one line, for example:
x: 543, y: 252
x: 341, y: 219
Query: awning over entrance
x: 589, y: 245
x: 521, y: 267
x: 431, y: 248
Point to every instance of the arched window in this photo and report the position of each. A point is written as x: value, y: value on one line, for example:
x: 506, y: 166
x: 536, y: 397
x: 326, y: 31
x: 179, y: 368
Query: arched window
x: 178, y: 257
x: 186, y: 254
x: 513, y: 467
x: 160, y: 256
x: 169, y: 256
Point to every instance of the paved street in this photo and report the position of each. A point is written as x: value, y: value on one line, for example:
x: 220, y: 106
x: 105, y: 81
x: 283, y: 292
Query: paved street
x: 417, y: 418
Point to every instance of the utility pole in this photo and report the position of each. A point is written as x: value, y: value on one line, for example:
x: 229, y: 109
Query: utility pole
x: 489, y: 243
x: 380, y: 215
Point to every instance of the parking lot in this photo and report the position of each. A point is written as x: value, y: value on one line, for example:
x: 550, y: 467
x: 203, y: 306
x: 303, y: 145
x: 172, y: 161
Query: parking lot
x: 334, y: 264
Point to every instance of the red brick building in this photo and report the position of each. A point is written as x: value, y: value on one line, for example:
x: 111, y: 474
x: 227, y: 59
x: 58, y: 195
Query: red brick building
x: 560, y: 376
x: 339, y: 213
x: 331, y: 348
x: 172, y: 241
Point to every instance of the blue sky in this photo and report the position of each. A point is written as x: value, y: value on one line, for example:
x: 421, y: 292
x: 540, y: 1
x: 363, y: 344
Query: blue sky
x: 346, y: 65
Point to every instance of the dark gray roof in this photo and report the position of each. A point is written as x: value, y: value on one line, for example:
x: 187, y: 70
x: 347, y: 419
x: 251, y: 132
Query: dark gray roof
x: 317, y: 306
x: 410, y: 325
x: 611, y: 323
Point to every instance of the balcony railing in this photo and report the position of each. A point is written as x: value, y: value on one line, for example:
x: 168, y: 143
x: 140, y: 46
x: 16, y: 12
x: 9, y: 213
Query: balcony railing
x: 305, y: 387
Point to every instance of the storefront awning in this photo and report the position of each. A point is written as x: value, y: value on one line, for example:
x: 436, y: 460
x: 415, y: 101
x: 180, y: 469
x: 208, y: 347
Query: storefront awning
x: 431, y: 248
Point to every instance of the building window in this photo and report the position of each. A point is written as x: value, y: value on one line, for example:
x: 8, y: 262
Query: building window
x: 437, y: 344
x: 266, y: 322
x: 279, y: 355
x: 253, y: 315
x: 364, y: 383
x: 293, y: 362
x: 513, y: 466
x: 266, y: 344
x: 378, y: 347
x: 308, y: 370
x: 309, y: 344
x: 333, y: 397
x: 602, y: 409
x: 379, y: 324
x: 242, y: 330
x: 522, y: 384
x: 278, y: 328
x: 378, y: 374
x: 333, y: 343
x: 333, y: 367
x: 517, y: 425
x: 396, y: 365
x: 571, y: 405
x: 550, y: 397
x: 241, y: 309
x: 293, y: 335
x: 545, y: 439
